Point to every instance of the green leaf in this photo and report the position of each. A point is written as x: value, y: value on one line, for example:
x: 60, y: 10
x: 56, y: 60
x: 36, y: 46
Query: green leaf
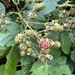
x: 50, y: 5
x: 58, y: 67
x: 55, y: 52
x: 12, y: 60
x: 7, y: 38
x: 58, y: 61
x: 60, y: 70
x: 73, y: 55
x: 42, y: 70
x: 72, y: 38
x: 65, y: 42
x: 54, y: 35
x: 37, y: 64
x: 26, y: 62
x: 2, y: 70
x: 2, y: 8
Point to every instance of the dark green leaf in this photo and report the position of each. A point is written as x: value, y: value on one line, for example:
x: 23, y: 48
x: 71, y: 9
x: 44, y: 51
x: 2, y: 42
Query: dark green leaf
x: 65, y: 42
x: 73, y: 55
x: 8, y: 38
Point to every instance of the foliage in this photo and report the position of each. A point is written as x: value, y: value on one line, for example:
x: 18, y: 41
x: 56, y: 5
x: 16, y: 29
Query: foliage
x: 37, y: 37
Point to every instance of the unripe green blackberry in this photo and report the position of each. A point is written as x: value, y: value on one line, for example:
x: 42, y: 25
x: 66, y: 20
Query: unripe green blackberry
x: 3, y: 27
x: 32, y: 16
x: 3, y: 15
x: 29, y: 50
x: 29, y: 33
x: 29, y: 44
x: 39, y: 7
x: 7, y: 22
x: 22, y: 53
x: 58, y: 28
x: 19, y: 38
x: 22, y: 46
x: 57, y: 44
x: 33, y: 54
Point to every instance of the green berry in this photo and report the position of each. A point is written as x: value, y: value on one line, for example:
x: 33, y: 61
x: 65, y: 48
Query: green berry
x: 58, y: 28
x: 39, y: 7
x: 3, y: 27
x: 7, y: 22
x: 22, y: 46
x: 3, y: 15
x: 29, y: 33
x: 57, y: 44
x: 32, y: 16
x: 22, y: 53
x: 19, y: 38
x: 33, y: 54
x: 29, y: 50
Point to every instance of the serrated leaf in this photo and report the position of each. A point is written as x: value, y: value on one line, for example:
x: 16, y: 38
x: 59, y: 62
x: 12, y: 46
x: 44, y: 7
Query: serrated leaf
x: 58, y: 61
x: 37, y: 64
x: 26, y: 62
x: 72, y: 38
x: 12, y: 60
x: 60, y: 70
x: 73, y: 55
x: 55, y: 52
x: 2, y: 70
x: 2, y: 8
x: 54, y: 35
x: 42, y: 70
x: 65, y: 42
x: 7, y: 38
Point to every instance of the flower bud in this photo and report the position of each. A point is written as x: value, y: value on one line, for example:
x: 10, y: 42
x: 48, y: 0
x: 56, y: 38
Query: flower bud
x: 48, y: 56
x: 39, y: 35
